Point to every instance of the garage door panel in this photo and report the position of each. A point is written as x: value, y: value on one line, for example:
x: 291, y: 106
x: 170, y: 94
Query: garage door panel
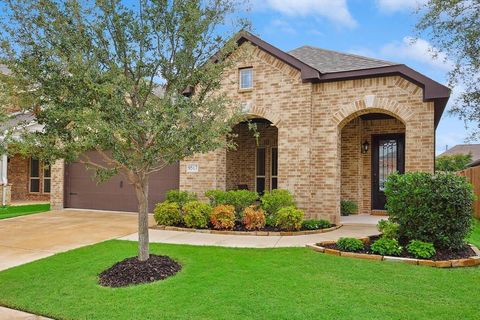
x: 83, y: 191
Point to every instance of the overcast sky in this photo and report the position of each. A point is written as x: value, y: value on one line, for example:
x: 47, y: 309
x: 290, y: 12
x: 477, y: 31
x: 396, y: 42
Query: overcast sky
x: 376, y: 28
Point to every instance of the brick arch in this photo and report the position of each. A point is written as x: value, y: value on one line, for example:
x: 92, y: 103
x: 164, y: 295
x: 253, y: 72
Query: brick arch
x: 262, y: 112
x: 372, y: 104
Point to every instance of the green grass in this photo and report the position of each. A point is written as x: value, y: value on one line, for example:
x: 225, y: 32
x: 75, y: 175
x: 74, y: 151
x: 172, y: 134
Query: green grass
x: 233, y: 283
x: 475, y: 236
x: 15, y: 211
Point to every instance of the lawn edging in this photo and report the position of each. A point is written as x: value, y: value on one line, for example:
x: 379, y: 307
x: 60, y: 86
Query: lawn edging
x: 454, y: 263
x: 247, y: 233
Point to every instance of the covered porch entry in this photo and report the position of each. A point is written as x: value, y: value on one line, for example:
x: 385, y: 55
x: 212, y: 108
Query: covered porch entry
x: 253, y: 164
x: 372, y: 148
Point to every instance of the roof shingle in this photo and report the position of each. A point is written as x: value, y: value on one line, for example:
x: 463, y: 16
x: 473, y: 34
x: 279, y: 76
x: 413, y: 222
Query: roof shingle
x: 328, y: 61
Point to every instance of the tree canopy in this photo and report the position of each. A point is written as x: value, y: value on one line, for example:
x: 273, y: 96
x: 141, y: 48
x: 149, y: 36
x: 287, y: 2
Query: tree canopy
x: 453, y: 27
x: 452, y: 162
x: 133, y: 80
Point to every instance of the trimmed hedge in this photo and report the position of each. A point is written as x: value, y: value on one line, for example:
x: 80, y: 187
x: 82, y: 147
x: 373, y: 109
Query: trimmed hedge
x: 196, y: 214
x: 253, y: 218
x: 223, y: 217
x: 350, y: 244
x: 240, y: 199
x: 348, y: 207
x: 431, y: 208
x: 167, y: 213
x: 289, y: 218
x: 180, y: 197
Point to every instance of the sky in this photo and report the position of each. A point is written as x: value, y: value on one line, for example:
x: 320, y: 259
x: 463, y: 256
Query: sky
x: 375, y: 28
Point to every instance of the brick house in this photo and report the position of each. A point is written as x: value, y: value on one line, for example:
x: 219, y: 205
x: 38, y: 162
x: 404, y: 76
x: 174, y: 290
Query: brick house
x: 332, y: 126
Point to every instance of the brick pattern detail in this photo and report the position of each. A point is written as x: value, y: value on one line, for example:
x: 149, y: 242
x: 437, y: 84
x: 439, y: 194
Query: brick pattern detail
x: 241, y: 161
x: 18, y: 178
x: 57, y: 188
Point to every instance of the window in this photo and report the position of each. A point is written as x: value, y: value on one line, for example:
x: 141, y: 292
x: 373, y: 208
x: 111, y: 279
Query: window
x: 39, y: 172
x: 246, y: 78
x: 34, y: 175
x: 46, y: 178
x: 274, y: 178
x: 260, y: 171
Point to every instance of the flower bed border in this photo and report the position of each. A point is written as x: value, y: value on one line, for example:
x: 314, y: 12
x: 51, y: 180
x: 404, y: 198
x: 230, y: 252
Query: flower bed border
x: 454, y: 263
x: 248, y: 233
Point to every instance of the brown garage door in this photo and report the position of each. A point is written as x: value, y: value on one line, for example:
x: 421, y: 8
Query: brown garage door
x: 82, y: 191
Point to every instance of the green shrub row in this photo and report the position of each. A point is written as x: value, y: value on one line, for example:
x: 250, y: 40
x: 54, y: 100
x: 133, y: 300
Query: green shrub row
x: 274, y: 209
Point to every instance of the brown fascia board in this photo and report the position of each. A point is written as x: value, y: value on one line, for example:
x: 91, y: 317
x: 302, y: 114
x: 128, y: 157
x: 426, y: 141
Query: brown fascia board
x: 307, y: 72
x: 432, y: 90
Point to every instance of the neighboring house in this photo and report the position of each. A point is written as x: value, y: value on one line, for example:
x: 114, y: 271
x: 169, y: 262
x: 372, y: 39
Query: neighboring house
x: 23, y: 179
x: 473, y: 149
x: 332, y: 126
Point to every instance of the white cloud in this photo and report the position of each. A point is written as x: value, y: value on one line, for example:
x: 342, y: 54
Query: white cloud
x: 282, y: 25
x: 333, y: 10
x: 399, y: 5
x: 420, y: 50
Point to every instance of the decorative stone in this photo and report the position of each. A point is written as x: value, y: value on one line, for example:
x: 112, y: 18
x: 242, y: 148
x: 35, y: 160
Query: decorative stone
x: 443, y: 264
x: 332, y: 252
x: 362, y: 256
x: 400, y: 259
x: 429, y: 263
x: 464, y: 262
x: 316, y: 248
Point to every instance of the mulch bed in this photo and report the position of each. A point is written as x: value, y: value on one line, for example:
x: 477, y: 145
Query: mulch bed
x: 132, y: 271
x: 241, y: 227
x: 442, y: 254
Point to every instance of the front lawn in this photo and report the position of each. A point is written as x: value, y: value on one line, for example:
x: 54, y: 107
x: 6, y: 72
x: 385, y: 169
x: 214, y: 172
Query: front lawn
x: 15, y: 211
x: 232, y: 283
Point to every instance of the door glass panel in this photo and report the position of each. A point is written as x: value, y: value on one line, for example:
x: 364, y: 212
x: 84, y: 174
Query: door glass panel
x: 273, y: 185
x: 260, y: 170
x: 387, y: 160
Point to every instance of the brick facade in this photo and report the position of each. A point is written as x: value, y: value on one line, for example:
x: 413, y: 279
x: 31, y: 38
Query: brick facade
x: 310, y: 119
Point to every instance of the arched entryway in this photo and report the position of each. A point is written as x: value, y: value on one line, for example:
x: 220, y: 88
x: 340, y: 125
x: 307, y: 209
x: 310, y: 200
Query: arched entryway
x: 372, y: 146
x: 253, y: 164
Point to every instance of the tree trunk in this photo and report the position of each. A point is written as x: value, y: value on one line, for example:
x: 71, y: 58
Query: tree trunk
x: 141, y: 189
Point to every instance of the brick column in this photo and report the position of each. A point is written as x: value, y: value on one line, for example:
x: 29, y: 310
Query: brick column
x: 57, y: 192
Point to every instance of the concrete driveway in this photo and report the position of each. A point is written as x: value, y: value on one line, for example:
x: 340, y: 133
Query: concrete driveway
x: 36, y: 236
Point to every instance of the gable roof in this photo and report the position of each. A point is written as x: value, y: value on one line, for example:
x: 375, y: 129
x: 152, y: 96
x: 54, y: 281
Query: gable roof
x: 320, y: 65
x: 473, y: 149
x: 328, y: 61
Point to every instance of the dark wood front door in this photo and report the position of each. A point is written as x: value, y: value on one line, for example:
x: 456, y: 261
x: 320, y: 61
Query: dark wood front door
x: 388, y: 156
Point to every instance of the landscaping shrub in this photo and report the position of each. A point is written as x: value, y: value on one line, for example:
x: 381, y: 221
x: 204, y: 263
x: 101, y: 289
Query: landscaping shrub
x: 167, y: 213
x: 253, y: 218
x: 348, y: 207
x: 180, y: 197
x: 314, y: 224
x: 420, y: 249
x: 223, y: 217
x: 388, y: 229
x: 386, y: 247
x: 196, y: 214
x: 240, y: 199
x: 431, y: 208
x: 273, y: 201
x: 350, y: 244
x: 289, y: 218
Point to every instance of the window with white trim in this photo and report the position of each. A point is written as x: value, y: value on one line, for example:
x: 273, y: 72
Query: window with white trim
x: 39, y: 178
x: 34, y: 183
x: 246, y: 78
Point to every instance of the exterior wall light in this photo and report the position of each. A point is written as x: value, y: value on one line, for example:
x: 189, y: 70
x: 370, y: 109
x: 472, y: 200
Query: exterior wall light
x: 365, y: 146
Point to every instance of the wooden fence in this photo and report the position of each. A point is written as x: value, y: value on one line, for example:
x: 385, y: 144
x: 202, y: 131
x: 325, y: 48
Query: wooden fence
x: 473, y: 176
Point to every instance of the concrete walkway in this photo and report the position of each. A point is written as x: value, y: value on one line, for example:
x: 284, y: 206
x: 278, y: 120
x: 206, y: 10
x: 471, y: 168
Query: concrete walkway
x: 28, y: 238
x: 11, y: 314
x: 205, y: 239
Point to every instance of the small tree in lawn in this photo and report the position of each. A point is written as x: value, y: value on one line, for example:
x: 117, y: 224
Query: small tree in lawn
x: 112, y: 76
